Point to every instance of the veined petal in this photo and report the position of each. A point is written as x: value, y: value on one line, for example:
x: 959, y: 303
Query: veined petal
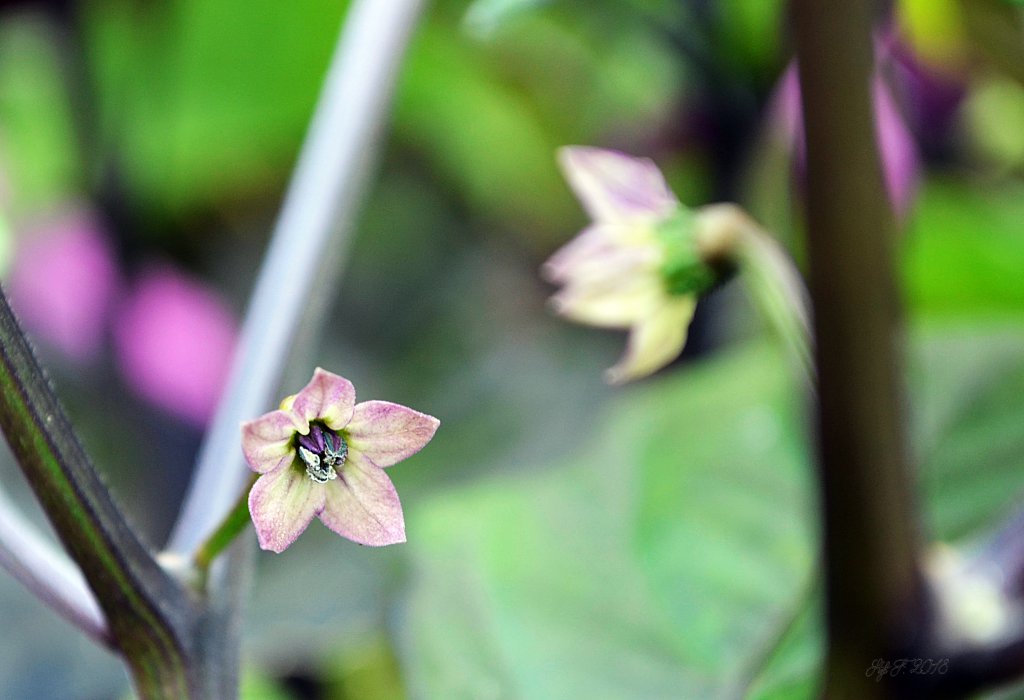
x: 592, y: 242
x: 596, y: 245
x: 266, y: 440
x: 614, y: 187
x: 616, y: 267
x: 616, y: 303
x: 327, y: 397
x: 362, y: 504
x: 655, y: 341
x: 388, y: 432
x: 282, y: 504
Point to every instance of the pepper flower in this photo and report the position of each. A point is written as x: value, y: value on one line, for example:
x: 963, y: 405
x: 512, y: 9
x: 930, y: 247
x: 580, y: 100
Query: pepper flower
x: 641, y: 264
x: 322, y: 455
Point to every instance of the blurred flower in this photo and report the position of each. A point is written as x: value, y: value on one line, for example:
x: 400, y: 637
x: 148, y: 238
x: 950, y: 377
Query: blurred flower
x: 933, y: 98
x: 174, y: 339
x: 63, y: 284
x: 323, y: 455
x: 639, y: 266
x: 896, y: 145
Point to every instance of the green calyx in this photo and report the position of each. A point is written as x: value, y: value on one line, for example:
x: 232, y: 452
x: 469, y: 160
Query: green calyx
x: 684, y: 271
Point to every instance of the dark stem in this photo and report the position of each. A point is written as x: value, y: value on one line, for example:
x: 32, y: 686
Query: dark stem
x: 873, y: 585
x: 148, y: 612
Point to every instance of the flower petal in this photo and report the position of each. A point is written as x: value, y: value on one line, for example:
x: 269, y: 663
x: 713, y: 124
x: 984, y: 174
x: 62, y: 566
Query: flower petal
x: 619, y: 302
x: 282, y: 504
x: 327, y: 397
x: 388, y: 432
x: 266, y: 440
x: 655, y: 341
x: 614, y: 187
x: 594, y: 248
x: 362, y: 504
x: 592, y: 242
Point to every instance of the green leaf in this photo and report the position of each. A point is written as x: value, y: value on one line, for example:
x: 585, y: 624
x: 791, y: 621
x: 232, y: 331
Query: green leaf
x: 205, y: 100
x: 663, y: 565
x: 676, y: 558
x: 965, y: 253
x: 970, y: 390
x: 40, y: 151
x: 484, y: 16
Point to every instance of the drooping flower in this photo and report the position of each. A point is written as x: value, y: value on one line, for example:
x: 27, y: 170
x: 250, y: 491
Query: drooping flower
x: 640, y: 265
x: 322, y: 455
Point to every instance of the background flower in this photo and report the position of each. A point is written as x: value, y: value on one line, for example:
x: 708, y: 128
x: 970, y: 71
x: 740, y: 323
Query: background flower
x: 613, y: 274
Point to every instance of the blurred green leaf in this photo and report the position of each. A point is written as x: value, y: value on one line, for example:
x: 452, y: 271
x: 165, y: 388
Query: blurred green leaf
x: 488, y: 116
x: 994, y: 115
x: 664, y: 565
x: 969, y: 439
x: 965, y: 252
x: 204, y: 100
x: 750, y: 33
x: 482, y: 136
x: 484, y: 16
x: 676, y: 559
x: 40, y: 152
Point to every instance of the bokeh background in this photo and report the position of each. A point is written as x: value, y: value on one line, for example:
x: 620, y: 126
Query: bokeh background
x: 566, y: 539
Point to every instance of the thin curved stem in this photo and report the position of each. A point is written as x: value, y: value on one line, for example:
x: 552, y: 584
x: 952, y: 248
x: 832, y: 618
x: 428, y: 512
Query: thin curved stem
x: 330, y: 177
x: 729, y: 236
x: 48, y: 573
x: 220, y: 539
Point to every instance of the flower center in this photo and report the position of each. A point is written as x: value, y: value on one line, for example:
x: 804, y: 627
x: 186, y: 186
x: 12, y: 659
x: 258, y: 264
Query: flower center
x: 322, y: 452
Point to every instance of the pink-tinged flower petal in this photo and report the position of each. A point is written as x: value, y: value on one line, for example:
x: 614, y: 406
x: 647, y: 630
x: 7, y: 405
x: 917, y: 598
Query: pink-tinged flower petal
x: 64, y: 283
x: 266, y: 441
x: 592, y: 242
x: 655, y: 341
x: 618, y: 302
x: 602, y: 251
x: 362, y: 504
x: 896, y: 145
x: 614, y: 187
x: 387, y: 432
x: 609, y: 266
x: 899, y: 152
x: 174, y: 337
x: 327, y: 397
x: 282, y: 504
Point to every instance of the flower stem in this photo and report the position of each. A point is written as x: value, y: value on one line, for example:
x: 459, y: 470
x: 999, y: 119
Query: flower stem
x: 48, y: 573
x: 232, y: 525
x: 729, y: 236
x: 302, y: 263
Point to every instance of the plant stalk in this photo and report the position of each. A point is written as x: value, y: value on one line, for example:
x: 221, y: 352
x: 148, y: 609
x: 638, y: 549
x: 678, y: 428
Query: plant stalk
x: 872, y: 581
x: 148, y: 613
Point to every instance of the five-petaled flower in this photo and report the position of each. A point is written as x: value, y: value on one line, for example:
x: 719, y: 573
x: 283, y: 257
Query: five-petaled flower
x: 640, y: 265
x: 323, y: 455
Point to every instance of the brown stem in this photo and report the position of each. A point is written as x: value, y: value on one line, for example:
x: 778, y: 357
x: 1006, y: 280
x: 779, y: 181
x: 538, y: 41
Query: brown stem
x: 873, y: 590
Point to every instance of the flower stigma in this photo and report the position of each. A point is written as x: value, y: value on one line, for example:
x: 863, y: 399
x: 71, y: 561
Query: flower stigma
x: 322, y: 452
